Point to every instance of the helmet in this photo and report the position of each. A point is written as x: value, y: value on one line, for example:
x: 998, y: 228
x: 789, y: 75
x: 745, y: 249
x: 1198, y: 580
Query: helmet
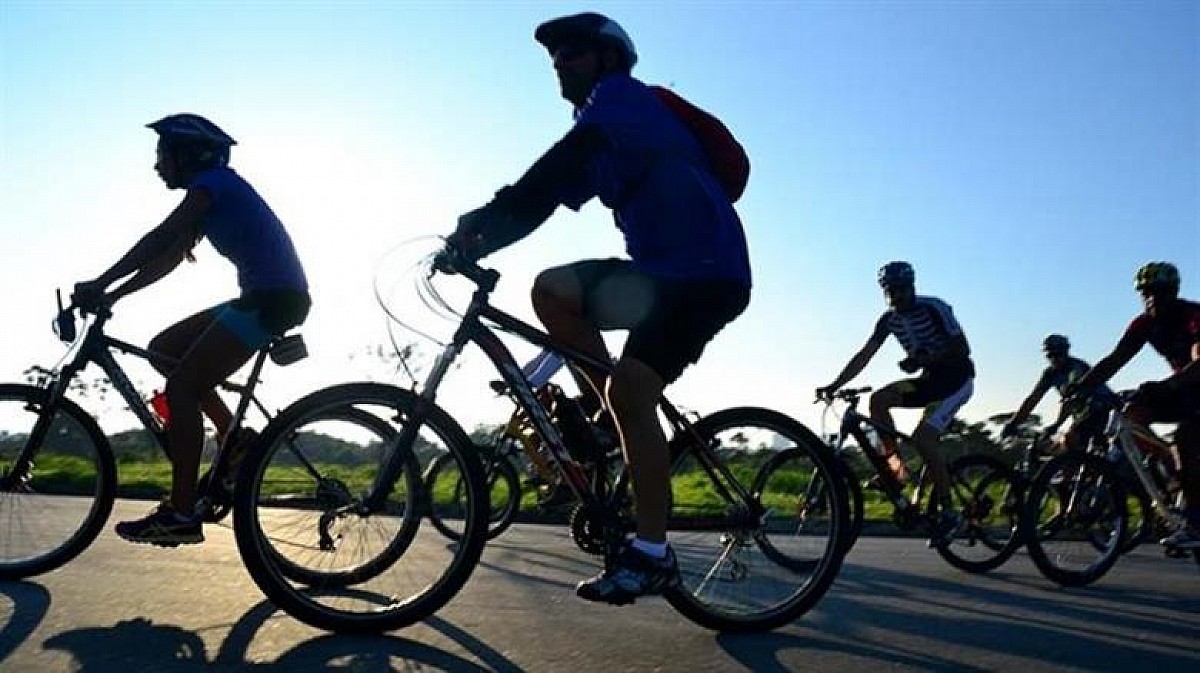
x: 896, y: 274
x: 193, y: 140
x: 1056, y: 344
x: 590, y: 28
x: 1161, y: 275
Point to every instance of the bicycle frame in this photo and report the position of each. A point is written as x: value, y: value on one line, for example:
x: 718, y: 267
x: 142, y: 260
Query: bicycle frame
x: 473, y: 330
x: 97, y: 347
x: 1121, y: 431
x: 852, y: 426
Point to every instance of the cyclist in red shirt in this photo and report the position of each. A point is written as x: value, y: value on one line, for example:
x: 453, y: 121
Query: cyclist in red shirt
x: 1172, y: 326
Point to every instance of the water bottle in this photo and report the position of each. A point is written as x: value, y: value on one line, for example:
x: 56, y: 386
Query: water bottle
x: 158, y: 402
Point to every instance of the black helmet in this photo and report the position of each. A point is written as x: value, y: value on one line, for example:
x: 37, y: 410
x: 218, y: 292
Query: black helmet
x: 588, y: 28
x: 193, y: 140
x: 1056, y: 344
x: 1157, y: 275
x: 896, y: 274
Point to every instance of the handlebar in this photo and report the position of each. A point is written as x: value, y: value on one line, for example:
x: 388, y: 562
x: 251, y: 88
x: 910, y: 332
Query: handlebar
x: 64, y: 322
x: 451, y: 260
x: 845, y: 394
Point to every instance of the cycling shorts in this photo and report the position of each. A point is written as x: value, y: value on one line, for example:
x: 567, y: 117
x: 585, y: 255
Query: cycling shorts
x: 670, y: 321
x: 941, y: 396
x: 257, y: 317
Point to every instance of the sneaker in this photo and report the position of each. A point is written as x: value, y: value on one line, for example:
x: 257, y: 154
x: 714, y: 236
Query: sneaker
x: 162, y: 527
x: 946, y: 527
x: 634, y: 574
x: 1183, y: 539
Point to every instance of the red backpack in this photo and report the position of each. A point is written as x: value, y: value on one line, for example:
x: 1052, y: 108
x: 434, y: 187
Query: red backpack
x: 726, y: 157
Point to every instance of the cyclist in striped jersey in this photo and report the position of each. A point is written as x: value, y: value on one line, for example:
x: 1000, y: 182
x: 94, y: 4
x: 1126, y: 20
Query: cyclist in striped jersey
x: 935, y: 344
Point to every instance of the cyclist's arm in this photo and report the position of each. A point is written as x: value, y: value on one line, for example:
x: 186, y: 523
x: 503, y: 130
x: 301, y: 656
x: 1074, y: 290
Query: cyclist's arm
x: 862, y: 357
x: 1039, y: 391
x: 1131, y: 342
x: 553, y: 179
x: 161, y: 250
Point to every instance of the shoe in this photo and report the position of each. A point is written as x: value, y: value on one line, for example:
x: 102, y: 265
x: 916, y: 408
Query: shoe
x: 162, y: 527
x: 1183, y: 539
x: 948, y: 525
x: 634, y: 574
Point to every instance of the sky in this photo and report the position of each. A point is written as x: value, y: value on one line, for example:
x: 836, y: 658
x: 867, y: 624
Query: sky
x: 1026, y: 157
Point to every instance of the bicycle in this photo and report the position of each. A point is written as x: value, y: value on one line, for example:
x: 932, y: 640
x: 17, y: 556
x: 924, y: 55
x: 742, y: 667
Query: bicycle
x: 1076, y: 517
x: 516, y: 449
x: 717, y: 523
x: 58, y: 471
x: 983, y: 488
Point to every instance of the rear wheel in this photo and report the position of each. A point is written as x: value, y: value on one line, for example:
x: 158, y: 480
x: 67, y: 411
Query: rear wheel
x: 326, y: 552
x: 753, y: 558
x: 445, y: 482
x: 54, y: 505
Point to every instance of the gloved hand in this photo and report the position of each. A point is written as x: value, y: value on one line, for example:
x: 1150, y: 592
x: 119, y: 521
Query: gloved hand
x: 909, y: 364
x: 89, y: 295
x: 468, y: 236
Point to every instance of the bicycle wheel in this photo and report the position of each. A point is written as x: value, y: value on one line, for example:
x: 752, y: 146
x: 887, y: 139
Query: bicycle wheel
x: 51, y: 510
x: 987, y: 494
x: 1074, y: 500
x: 315, y: 545
x: 445, y: 482
x: 779, y: 481
x: 745, y: 561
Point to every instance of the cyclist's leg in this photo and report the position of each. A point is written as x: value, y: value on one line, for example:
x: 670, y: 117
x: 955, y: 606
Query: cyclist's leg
x: 937, y: 417
x: 175, y: 341
x: 561, y: 301
x: 891, y: 396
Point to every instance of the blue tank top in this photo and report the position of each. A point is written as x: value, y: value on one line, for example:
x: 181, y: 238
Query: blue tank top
x: 241, y: 226
x: 674, y: 215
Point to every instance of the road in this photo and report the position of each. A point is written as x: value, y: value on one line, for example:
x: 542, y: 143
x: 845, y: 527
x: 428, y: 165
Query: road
x: 897, y: 606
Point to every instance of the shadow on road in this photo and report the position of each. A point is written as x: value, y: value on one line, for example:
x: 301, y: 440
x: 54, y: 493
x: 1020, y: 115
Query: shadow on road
x: 29, y: 605
x: 140, y: 645
x: 888, y: 617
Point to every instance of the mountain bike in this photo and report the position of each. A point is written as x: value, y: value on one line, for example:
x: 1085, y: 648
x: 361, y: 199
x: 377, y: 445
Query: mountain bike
x: 1076, y: 516
x: 983, y: 489
x: 58, y: 472
x: 719, y: 528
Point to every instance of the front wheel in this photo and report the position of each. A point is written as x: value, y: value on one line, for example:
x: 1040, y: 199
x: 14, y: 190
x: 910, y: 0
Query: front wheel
x: 58, y: 480
x: 328, y: 521
x: 1074, y: 519
x: 753, y: 556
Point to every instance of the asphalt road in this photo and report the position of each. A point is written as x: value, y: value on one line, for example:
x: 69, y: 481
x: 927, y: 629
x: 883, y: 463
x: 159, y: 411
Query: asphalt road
x: 896, y: 606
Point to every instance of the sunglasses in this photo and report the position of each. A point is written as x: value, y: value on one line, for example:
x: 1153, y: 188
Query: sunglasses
x: 570, y: 51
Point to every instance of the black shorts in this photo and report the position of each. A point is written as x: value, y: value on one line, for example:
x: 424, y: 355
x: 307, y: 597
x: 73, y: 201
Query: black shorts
x: 942, y: 394
x: 278, y: 310
x: 669, y: 320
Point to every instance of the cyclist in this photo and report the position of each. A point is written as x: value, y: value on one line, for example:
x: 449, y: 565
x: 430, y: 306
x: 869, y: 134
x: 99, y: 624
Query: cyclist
x: 1090, y: 421
x: 193, y: 155
x: 934, y: 343
x: 687, y: 277
x: 1172, y: 327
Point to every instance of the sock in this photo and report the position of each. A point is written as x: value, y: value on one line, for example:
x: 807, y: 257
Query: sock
x: 657, y: 550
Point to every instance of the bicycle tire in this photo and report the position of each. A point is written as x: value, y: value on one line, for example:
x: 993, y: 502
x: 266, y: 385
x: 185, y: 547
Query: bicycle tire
x: 85, y: 436
x: 1092, y: 492
x: 780, y: 463
x: 698, y: 596
x: 498, y: 473
x: 363, y: 607
x: 988, y: 495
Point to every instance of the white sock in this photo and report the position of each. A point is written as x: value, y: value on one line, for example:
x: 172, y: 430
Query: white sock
x: 655, y: 550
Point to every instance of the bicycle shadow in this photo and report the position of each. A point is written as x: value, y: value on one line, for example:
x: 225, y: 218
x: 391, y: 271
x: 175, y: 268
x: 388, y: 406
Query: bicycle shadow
x: 30, y: 603
x: 889, y: 618
x: 140, y: 645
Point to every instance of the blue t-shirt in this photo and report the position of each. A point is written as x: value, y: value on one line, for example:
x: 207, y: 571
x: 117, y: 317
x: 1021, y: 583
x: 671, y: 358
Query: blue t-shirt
x: 676, y: 219
x: 241, y: 226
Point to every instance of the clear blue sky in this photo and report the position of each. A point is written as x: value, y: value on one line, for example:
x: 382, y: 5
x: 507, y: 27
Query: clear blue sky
x: 1027, y: 157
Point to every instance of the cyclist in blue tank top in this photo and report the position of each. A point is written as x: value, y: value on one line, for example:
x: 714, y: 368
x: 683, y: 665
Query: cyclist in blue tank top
x: 1089, y: 422
x: 687, y: 277
x: 193, y: 154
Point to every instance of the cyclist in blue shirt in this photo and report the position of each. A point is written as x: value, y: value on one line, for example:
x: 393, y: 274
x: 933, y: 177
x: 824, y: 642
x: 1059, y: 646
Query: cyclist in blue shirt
x: 193, y: 155
x: 687, y: 276
x: 1090, y: 421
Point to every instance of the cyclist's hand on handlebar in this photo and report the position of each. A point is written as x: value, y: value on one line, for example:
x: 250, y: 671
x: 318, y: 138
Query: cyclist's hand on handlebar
x: 89, y: 296
x: 909, y: 365
x: 825, y: 393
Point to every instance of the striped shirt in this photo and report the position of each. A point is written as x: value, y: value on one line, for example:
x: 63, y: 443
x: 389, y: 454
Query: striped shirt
x: 928, y: 326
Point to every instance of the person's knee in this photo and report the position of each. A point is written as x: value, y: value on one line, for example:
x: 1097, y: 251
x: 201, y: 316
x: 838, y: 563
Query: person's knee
x: 883, y: 401
x: 556, y: 292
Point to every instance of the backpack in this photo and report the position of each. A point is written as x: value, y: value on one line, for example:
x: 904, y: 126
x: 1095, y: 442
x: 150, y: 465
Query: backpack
x: 726, y: 157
